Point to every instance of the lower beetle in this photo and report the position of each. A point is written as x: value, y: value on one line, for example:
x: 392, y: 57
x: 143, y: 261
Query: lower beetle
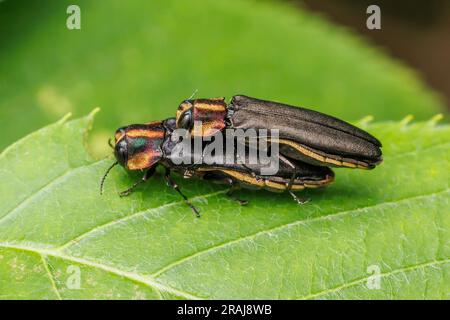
x: 145, y: 146
x: 305, y: 135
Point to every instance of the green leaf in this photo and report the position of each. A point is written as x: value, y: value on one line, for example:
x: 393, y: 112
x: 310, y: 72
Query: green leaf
x: 56, y: 231
x: 139, y: 60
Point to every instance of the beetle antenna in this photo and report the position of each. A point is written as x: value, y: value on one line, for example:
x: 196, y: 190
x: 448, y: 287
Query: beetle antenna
x: 193, y: 94
x: 105, y: 175
x: 110, y: 143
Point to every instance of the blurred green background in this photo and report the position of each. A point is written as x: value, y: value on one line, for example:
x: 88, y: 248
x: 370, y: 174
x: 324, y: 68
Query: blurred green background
x: 138, y: 59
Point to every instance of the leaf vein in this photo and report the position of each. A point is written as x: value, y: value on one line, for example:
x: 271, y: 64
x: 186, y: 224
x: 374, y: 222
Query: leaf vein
x: 427, y: 264
x: 50, y: 276
x: 43, y: 188
x: 112, y: 223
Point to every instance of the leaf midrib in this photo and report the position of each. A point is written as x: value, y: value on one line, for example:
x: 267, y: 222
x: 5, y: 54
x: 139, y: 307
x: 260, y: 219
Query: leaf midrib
x: 145, y: 280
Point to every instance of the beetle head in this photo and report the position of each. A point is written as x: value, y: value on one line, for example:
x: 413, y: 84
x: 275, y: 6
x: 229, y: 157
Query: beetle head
x: 202, y: 117
x: 138, y: 146
x: 185, y: 115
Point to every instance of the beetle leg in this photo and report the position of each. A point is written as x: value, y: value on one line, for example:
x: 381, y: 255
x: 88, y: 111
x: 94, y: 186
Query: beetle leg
x: 234, y: 187
x: 291, y: 181
x: 147, y: 175
x: 173, y: 184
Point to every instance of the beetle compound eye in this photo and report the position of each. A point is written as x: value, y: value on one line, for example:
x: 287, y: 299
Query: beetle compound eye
x: 121, y: 152
x: 122, y: 155
x: 187, y: 120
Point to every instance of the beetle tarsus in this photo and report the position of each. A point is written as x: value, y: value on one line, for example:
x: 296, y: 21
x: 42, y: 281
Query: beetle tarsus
x: 130, y: 190
x: 300, y: 201
x: 146, y: 176
x: 230, y: 194
x: 127, y: 192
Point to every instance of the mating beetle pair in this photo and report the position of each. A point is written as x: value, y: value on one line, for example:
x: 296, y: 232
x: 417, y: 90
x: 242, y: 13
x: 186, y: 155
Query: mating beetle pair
x: 309, y: 143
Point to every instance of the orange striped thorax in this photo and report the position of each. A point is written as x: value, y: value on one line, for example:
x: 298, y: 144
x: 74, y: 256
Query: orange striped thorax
x: 138, y: 146
x: 202, y: 117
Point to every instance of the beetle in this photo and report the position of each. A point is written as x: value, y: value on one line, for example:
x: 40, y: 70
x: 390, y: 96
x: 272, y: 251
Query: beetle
x: 305, y: 135
x: 145, y: 146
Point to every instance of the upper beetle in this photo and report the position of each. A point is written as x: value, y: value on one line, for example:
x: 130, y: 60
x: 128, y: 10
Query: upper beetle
x: 304, y: 134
